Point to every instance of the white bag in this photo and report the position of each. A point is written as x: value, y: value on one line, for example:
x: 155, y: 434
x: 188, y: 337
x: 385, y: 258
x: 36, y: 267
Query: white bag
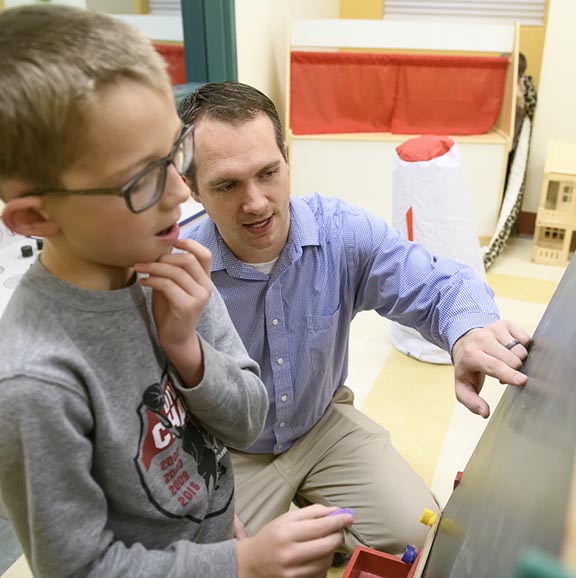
x: 431, y: 206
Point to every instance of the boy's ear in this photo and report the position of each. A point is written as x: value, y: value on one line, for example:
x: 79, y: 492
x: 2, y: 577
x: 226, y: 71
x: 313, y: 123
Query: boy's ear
x: 26, y: 216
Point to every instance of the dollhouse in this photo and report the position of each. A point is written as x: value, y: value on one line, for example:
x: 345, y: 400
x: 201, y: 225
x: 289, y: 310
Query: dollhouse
x: 555, y: 233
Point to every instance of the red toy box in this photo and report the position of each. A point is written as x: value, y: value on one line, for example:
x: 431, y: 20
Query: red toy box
x: 368, y: 563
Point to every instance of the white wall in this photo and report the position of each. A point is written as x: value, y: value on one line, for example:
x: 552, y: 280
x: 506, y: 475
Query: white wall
x: 261, y: 40
x: 555, y: 113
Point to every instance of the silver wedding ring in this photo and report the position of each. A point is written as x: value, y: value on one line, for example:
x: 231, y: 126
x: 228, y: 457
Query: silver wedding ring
x: 512, y: 344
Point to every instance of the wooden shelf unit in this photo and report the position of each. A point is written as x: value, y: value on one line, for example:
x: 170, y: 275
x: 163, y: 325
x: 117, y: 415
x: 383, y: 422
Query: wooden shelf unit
x: 358, y: 167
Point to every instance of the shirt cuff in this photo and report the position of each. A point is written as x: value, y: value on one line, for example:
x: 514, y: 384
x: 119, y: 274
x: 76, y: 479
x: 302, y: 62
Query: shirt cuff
x: 460, y: 327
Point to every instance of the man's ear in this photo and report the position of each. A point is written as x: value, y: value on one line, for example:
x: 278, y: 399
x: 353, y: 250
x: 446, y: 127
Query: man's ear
x: 195, y: 195
x: 26, y: 216
x: 193, y: 192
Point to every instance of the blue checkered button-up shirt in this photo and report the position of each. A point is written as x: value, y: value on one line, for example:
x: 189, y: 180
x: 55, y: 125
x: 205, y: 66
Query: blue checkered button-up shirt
x: 295, y: 322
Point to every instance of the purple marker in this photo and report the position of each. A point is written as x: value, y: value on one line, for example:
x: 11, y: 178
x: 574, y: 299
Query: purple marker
x: 342, y: 511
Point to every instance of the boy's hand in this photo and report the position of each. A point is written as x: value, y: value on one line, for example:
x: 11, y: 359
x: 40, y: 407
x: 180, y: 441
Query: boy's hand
x: 298, y: 544
x: 182, y: 288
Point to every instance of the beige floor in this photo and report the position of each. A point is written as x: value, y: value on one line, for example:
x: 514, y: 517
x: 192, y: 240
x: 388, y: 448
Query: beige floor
x: 415, y: 400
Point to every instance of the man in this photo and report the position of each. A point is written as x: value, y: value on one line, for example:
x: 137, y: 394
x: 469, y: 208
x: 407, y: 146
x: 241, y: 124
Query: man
x: 294, y: 272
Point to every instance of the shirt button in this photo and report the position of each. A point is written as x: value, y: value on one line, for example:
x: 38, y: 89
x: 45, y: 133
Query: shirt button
x: 280, y: 361
x: 284, y: 398
x: 274, y: 321
x: 282, y: 424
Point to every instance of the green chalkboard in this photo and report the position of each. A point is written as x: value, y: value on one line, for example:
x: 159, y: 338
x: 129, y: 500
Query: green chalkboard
x: 514, y: 492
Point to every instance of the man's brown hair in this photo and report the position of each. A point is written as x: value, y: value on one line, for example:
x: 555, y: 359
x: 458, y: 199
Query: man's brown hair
x: 232, y: 103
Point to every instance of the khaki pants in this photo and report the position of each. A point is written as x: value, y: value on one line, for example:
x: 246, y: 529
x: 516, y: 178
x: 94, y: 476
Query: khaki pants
x: 345, y: 460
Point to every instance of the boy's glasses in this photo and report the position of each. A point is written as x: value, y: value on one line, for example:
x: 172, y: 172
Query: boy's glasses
x: 147, y: 187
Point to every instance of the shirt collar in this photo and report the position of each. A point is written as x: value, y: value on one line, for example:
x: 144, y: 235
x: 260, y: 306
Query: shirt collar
x: 303, y: 232
x: 303, y: 225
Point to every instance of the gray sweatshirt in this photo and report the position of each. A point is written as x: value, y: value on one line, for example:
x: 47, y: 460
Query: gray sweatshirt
x: 109, y: 467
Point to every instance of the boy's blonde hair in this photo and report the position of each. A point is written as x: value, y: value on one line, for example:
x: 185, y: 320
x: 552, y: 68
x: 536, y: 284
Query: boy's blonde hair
x: 53, y: 62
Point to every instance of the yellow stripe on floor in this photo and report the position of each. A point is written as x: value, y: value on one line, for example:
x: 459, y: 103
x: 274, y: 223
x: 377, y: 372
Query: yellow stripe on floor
x: 521, y: 288
x: 414, y: 401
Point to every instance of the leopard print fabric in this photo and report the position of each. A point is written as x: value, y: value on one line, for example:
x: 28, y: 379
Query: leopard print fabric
x: 499, y: 242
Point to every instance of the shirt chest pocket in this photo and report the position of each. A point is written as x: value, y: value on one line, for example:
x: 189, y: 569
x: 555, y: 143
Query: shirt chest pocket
x: 322, y: 344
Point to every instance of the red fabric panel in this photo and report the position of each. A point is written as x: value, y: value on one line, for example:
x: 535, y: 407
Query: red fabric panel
x: 173, y: 54
x: 332, y: 94
x: 424, y: 148
x: 339, y: 92
x: 448, y: 95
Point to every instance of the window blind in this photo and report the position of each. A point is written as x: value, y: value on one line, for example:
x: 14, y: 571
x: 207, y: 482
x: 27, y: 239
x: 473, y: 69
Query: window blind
x: 527, y: 12
x: 165, y: 6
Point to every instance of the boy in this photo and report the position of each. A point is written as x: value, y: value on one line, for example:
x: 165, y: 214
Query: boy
x: 120, y: 370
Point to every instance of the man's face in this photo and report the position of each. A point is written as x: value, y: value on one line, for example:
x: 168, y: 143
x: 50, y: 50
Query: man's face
x: 243, y: 183
x: 130, y: 127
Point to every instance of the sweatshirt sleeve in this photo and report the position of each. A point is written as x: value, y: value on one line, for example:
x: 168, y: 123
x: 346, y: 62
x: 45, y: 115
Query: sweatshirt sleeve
x: 57, y: 508
x: 231, y: 400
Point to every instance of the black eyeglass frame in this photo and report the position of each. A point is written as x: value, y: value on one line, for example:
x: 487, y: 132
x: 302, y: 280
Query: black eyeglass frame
x: 125, y: 191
